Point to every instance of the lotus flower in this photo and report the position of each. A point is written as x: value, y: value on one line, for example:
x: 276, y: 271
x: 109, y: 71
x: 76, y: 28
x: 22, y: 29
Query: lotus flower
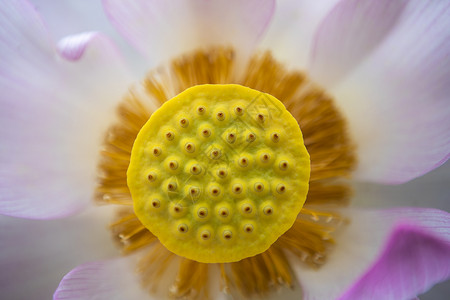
x: 367, y: 81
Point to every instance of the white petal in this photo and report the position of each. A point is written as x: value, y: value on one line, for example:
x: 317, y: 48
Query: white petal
x: 396, y: 100
x: 348, y: 35
x: 292, y: 29
x: 102, y: 280
x: 35, y: 254
x: 430, y: 190
x: 55, y: 108
x: 162, y: 29
x: 73, y: 16
x: 70, y: 17
x: 358, y: 246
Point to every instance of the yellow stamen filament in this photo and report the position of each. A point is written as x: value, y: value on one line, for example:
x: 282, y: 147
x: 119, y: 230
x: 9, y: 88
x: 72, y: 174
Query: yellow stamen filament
x: 191, y: 281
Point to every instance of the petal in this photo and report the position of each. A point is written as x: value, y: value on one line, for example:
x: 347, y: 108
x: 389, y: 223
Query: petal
x: 412, y: 262
x: 110, y: 279
x: 54, y: 110
x: 118, y: 279
x: 348, y: 34
x: 358, y: 245
x: 73, y: 16
x: 396, y: 100
x: 36, y: 254
x: 161, y: 29
x: 63, y: 17
x: 430, y: 190
x: 292, y: 29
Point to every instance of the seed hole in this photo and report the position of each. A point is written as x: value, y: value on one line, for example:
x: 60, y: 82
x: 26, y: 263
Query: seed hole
x: 251, y: 137
x: 157, y: 151
x: 284, y: 165
x: 227, y: 234
x: 281, y: 188
x: 194, y: 191
x: 247, y: 208
x: 215, y: 191
x: 231, y: 138
x: 275, y: 137
x: 243, y: 162
x: 172, y: 186
x: 220, y: 116
x: 151, y: 177
x: 184, y: 123
x: 239, y: 110
x: 202, y: 212
x: 215, y: 154
x: 177, y: 209
x: 260, y: 118
x: 268, y: 210
x: 206, y: 132
x: 223, y: 212
x: 201, y: 110
x: 173, y: 165
x: 206, y: 235
x: 183, y: 228
x: 237, y: 188
x: 170, y: 136
x: 259, y: 187
x: 156, y: 203
x: 222, y: 173
x: 265, y: 157
x: 196, y: 169
x: 189, y: 147
x: 248, y: 228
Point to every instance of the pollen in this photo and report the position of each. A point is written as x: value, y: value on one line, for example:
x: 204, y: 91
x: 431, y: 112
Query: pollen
x: 233, y: 113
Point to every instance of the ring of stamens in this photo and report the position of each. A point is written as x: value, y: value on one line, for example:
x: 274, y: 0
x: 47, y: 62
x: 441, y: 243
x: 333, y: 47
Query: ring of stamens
x: 311, y: 236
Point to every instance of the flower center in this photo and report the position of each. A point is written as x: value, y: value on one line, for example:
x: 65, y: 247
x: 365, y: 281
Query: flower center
x: 219, y: 173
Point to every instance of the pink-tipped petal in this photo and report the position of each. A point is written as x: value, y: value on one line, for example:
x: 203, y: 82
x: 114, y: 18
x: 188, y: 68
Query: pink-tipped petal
x: 161, y: 29
x: 348, y: 34
x: 290, y: 34
x: 397, y: 99
x: 359, y: 245
x: 102, y: 280
x: 54, y: 110
x: 411, y: 263
x: 35, y: 255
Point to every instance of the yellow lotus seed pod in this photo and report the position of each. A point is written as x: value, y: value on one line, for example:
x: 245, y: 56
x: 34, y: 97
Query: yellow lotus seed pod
x: 219, y: 172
